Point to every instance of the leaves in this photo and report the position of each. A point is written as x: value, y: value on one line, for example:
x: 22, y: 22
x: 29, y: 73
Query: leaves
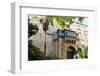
x: 34, y: 53
x: 62, y: 20
x: 82, y: 53
x: 80, y: 19
x: 45, y: 25
x: 32, y: 29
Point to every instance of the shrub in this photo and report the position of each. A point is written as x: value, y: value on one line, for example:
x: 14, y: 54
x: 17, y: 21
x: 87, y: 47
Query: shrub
x: 34, y: 52
x: 81, y: 53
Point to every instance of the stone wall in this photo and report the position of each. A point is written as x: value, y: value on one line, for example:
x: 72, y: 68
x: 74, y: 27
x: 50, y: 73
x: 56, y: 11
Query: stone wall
x: 56, y: 48
x: 39, y: 39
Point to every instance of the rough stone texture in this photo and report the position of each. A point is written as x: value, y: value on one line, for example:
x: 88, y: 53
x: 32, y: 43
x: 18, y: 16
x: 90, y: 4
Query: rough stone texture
x: 39, y: 39
x: 59, y: 47
x: 82, y: 30
x: 63, y: 46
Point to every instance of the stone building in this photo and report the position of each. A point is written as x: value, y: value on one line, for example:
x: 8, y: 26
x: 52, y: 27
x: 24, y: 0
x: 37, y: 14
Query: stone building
x: 61, y: 44
x: 67, y: 43
x: 82, y: 30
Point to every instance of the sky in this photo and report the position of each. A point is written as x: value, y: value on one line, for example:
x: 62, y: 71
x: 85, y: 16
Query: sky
x: 85, y: 21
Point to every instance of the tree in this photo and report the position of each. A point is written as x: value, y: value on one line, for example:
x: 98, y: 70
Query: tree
x: 32, y: 29
x: 34, y: 53
x: 81, y: 52
x: 45, y: 28
x: 63, y: 21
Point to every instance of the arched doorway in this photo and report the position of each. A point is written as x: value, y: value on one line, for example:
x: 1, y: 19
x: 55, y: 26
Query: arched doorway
x: 70, y: 52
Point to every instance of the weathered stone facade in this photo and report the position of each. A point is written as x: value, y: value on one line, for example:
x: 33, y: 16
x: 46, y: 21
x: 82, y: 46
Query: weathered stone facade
x: 63, y: 45
x: 39, y: 39
x: 58, y: 47
x: 82, y: 30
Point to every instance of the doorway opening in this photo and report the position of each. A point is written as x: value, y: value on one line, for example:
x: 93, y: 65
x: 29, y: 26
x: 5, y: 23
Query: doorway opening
x: 70, y: 52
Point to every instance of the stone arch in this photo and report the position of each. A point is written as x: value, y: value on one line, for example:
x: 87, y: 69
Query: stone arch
x: 72, y: 41
x: 70, y: 52
x: 69, y: 41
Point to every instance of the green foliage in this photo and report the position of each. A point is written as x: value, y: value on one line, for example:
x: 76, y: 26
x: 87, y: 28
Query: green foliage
x: 80, y: 19
x: 69, y: 19
x: 61, y: 20
x: 32, y: 29
x: 50, y: 18
x: 81, y: 53
x: 86, y: 52
x: 34, y: 53
x: 45, y: 25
